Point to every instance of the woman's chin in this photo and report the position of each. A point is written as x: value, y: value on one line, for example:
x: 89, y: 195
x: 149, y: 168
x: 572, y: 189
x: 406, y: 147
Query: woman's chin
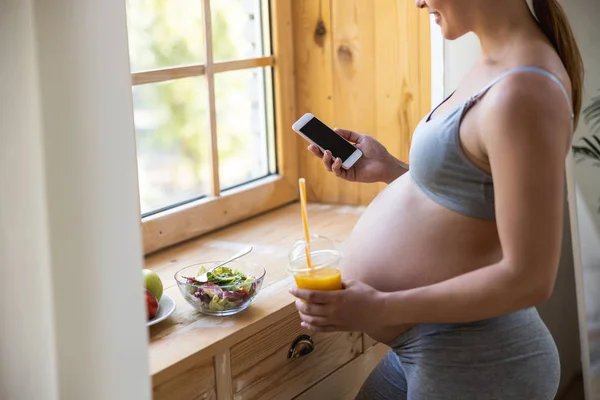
x: 451, y: 35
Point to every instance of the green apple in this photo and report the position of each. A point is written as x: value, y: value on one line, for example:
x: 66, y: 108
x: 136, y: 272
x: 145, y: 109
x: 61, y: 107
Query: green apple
x: 153, y: 283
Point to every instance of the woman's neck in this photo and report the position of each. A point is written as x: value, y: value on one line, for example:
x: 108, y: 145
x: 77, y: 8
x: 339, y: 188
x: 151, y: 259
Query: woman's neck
x: 501, y: 25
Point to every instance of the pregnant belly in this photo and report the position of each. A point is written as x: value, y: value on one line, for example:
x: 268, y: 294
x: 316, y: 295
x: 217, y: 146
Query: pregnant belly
x: 404, y: 240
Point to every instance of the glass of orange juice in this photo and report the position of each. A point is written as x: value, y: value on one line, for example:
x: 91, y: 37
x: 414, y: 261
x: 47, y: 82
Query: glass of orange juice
x: 323, y: 273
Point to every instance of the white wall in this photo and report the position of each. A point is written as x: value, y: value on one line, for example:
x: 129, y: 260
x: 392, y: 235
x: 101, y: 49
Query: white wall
x: 437, y: 63
x: 27, y: 341
x: 450, y: 61
x: 587, y: 176
x: 584, y: 14
x: 584, y: 18
x: 71, y: 302
x: 560, y: 312
x: 460, y: 55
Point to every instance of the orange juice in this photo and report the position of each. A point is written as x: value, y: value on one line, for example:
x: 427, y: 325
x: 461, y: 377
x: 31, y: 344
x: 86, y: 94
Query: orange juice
x: 322, y: 273
x: 320, y: 278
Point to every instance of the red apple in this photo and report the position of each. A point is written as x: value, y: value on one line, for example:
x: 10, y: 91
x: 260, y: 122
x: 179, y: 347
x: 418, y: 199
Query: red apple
x: 151, y: 304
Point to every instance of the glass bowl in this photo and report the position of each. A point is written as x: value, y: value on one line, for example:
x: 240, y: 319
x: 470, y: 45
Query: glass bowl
x: 220, y: 299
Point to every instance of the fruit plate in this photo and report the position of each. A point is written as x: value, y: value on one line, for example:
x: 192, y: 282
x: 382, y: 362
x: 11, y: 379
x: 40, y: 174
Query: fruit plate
x: 166, y: 307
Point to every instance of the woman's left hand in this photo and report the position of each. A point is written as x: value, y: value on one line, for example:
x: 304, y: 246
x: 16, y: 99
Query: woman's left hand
x: 355, y: 308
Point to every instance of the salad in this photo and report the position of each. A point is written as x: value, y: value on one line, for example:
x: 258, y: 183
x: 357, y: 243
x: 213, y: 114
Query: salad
x: 226, y: 288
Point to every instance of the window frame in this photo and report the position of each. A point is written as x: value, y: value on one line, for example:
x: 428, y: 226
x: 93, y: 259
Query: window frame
x: 218, y: 210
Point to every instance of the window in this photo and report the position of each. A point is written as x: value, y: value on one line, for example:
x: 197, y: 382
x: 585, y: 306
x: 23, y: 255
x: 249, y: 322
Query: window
x: 213, y: 102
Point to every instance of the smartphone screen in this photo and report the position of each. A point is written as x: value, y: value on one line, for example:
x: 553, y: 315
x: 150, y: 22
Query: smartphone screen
x: 325, y: 137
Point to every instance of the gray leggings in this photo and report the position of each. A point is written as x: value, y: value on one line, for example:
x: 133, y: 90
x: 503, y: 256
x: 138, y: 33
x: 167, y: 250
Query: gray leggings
x: 509, y: 357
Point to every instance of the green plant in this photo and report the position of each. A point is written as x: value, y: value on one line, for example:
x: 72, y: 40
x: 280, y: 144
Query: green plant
x: 590, y: 149
x: 591, y: 146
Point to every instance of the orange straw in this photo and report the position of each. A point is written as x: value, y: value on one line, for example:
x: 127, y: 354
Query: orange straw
x: 302, y: 184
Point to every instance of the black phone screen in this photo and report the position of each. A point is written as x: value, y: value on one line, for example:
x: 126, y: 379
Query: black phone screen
x: 325, y: 137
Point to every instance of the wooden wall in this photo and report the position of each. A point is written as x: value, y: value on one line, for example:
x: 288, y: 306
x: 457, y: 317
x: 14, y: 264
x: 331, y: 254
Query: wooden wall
x: 362, y: 65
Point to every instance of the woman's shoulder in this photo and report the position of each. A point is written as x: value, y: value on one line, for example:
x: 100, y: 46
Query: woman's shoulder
x: 534, y: 100
x: 541, y: 56
x: 537, y: 82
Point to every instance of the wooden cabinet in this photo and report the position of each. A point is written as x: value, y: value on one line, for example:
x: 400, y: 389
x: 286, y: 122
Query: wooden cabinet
x: 261, y: 369
x: 345, y: 383
x: 197, y: 382
x: 245, y: 356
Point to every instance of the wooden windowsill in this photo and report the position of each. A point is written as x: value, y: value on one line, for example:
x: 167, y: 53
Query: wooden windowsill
x: 188, y: 335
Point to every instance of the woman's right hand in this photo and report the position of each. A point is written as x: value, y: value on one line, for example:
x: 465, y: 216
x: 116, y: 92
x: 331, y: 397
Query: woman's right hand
x: 376, y: 164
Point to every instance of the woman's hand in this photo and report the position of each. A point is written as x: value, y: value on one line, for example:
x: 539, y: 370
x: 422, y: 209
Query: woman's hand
x: 353, y: 309
x: 376, y: 164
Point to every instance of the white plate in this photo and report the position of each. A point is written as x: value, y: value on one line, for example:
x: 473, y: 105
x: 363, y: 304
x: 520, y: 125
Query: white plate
x: 166, y: 307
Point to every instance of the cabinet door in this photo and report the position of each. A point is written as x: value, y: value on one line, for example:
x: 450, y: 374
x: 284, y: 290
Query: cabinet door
x: 191, y: 380
x: 345, y: 383
x: 261, y: 369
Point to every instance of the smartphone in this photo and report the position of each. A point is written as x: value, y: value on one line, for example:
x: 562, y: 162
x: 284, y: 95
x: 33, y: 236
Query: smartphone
x: 316, y: 132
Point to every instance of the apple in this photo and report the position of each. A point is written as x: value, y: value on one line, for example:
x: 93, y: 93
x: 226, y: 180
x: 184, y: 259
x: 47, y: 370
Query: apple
x: 151, y: 304
x: 153, y: 283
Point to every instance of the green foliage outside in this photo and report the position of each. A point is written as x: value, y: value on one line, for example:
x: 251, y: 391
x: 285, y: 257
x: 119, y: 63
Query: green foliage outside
x: 172, y: 128
x: 590, y: 147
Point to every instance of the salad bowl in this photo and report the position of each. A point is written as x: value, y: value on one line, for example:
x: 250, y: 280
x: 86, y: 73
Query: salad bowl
x: 228, y: 289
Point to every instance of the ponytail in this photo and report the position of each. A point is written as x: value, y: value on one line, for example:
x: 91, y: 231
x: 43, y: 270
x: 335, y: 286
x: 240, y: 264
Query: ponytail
x: 555, y: 25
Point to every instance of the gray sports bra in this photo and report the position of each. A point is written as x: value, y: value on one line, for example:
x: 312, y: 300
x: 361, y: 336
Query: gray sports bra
x: 439, y: 166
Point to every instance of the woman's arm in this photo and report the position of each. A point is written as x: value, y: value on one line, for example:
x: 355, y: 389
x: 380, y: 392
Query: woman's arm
x: 396, y: 169
x: 526, y: 131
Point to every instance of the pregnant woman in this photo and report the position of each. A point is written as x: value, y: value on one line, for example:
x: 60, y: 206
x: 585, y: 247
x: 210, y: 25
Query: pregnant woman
x: 447, y: 264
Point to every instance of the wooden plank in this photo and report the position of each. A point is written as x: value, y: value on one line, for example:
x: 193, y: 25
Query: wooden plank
x: 188, y: 334
x: 255, y: 349
x: 223, y: 375
x: 424, y: 52
x: 368, y: 342
x: 187, y: 71
x: 261, y: 369
x: 390, y: 67
x: 314, y: 84
x: 374, y: 67
x: 345, y: 383
x: 203, y: 216
x: 285, y: 93
x: 235, y: 65
x: 167, y: 74
x: 196, y: 382
x: 215, y: 184
x: 354, y: 82
x: 271, y: 234
x: 398, y: 74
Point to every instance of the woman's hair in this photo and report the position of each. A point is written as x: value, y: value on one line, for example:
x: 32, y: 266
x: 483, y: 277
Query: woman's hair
x: 554, y: 23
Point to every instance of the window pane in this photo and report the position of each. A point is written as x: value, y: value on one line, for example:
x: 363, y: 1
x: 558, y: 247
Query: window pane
x: 165, y: 33
x: 172, y: 142
x: 244, y: 132
x: 237, y: 29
